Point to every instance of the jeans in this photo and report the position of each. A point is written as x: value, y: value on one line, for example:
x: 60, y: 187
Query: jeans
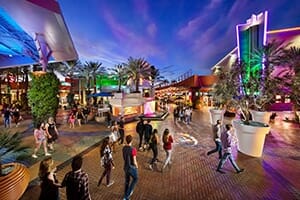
x: 106, y: 172
x: 155, y: 153
x: 168, y: 157
x: 218, y: 148
x: 133, y: 173
x: 122, y: 134
x: 223, y: 160
x: 141, y: 139
x: 7, y: 122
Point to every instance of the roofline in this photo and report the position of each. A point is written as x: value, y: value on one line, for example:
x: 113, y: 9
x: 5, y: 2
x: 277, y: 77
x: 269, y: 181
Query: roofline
x: 268, y: 32
x: 284, y: 30
x: 232, y: 51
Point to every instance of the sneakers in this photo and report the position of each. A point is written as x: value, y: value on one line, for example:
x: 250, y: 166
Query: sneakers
x: 241, y: 170
x: 34, y: 156
x: 151, y: 168
x: 47, y: 154
x: 220, y: 171
x: 130, y: 194
x: 110, y: 184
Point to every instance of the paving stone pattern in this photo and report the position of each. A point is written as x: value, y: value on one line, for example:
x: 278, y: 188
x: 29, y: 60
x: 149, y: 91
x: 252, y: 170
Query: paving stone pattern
x: 192, y: 174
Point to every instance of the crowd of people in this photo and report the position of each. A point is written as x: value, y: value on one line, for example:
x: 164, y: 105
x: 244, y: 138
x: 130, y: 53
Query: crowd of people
x: 78, y: 116
x: 77, y: 182
x: 11, y: 114
x: 183, y: 114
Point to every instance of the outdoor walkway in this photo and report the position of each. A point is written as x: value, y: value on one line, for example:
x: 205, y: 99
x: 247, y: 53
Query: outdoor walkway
x: 192, y: 176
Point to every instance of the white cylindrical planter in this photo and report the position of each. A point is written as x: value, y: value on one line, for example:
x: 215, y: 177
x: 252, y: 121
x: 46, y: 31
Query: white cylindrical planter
x: 215, y: 115
x: 258, y: 116
x: 251, y: 138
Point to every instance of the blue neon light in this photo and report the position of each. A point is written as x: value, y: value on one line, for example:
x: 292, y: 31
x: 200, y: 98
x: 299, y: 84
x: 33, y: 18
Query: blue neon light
x: 14, y: 40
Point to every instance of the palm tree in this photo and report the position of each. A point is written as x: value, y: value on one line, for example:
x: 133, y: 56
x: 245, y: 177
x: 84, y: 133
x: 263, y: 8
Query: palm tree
x: 71, y: 70
x: 11, y: 148
x: 120, y: 71
x: 94, y: 69
x: 266, y: 58
x: 137, y: 69
x: 292, y: 59
x: 154, y: 77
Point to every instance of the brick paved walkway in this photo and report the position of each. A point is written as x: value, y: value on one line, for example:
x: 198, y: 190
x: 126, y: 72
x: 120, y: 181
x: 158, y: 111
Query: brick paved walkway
x: 192, y: 176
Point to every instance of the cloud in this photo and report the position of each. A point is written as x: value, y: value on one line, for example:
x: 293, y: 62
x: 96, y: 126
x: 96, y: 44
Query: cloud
x: 141, y: 8
x: 151, y: 30
x: 138, y: 44
x: 196, y: 24
x: 98, y: 51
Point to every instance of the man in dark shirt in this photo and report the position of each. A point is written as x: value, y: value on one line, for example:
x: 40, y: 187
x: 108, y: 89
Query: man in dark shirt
x: 121, y: 130
x: 130, y: 167
x: 77, y: 182
x: 140, y: 130
x: 147, y: 132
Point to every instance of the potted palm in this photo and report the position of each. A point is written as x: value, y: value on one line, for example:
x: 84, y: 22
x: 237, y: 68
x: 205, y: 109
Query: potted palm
x: 222, y: 93
x: 14, y: 176
x: 242, y: 90
x: 263, y: 87
x: 292, y: 78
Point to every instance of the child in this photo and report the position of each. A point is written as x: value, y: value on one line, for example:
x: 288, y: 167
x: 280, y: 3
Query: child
x: 72, y: 120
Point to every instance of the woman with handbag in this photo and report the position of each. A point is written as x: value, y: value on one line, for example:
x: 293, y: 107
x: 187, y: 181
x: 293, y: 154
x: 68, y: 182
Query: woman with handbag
x: 167, y: 141
x: 106, y: 162
x: 114, y: 135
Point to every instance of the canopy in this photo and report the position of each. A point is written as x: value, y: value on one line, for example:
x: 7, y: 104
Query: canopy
x: 101, y: 94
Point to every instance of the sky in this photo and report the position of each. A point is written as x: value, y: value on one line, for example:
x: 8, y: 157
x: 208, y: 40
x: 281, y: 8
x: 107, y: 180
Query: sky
x: 175, y: 36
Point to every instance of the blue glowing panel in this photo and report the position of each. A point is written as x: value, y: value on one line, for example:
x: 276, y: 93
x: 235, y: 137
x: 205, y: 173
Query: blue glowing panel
x: 14, y: 41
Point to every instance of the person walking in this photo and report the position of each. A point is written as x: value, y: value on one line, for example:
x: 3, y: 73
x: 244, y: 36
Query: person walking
x: 153, y: 145
x: 7, y: 117
x: 121, y: 130
x: 40, y: 138
x: 16, y: 116
x: 167, y: 140
x: 147, y: 133
x: 51, y: 132
x: 217, y: 128
x: 79, y: 116
x: 77, y: 181
x: 140, y: 130
x: 130, y: 167
x: 114, y: 135
x: 108, y: 119
x: 227, y: 143
x: 106, y: 162
x: 175, y: 114
x: 72, y: 119
x: 49, y: 183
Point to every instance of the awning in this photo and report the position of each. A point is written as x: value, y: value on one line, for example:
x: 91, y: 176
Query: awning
x: 101, y: 94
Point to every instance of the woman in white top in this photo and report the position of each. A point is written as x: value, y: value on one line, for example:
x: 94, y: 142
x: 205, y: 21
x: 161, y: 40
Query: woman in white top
x: 114, y: 135
x: 40, y: 138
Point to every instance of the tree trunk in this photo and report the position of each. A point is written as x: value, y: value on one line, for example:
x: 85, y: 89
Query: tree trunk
x: 95, y: 84
x: 137, y: 82
x: 17, y: 82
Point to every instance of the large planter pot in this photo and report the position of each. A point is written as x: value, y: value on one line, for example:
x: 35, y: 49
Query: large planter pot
x: 215, y: 115
x: 251, y: 138
x: 99, y: 119
x: 258, y: 116
x: 14, y: 184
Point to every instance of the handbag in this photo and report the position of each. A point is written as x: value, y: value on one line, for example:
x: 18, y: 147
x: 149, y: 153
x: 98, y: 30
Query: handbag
x: 114, y: 136
x: 102, y: 161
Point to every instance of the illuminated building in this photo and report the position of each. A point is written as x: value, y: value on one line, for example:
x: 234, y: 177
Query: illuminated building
x: 253, y: 35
